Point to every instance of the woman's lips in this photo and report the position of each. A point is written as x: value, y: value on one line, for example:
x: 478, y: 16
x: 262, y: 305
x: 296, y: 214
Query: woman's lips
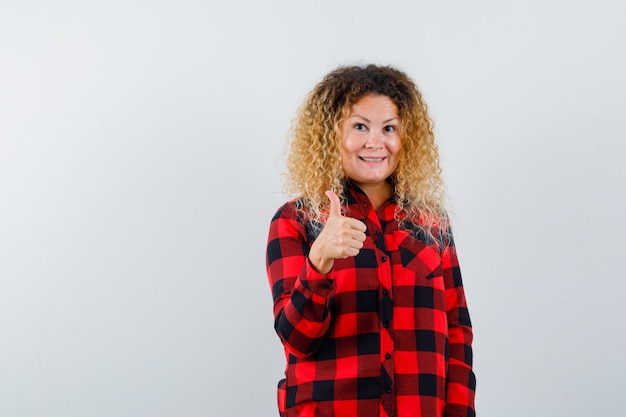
x: 371, y: 158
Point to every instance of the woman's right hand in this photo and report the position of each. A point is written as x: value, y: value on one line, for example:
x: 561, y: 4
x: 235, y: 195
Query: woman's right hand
x: 340, y: 238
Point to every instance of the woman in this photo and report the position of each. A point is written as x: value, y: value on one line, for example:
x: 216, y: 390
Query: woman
x: 368, y: 297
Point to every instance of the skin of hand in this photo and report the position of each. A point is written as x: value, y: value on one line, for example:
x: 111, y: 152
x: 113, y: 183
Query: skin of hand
x: 340, y: 238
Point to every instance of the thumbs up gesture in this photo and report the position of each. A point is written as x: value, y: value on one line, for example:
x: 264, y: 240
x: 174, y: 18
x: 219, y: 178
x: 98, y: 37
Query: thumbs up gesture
x: 340, y: 238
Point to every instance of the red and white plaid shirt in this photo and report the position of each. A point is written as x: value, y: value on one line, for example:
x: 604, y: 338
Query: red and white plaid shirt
x: 384, y: 334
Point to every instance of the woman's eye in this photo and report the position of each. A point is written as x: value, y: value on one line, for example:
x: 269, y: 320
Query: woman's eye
x: 360, y: 126
x: 390, y: 129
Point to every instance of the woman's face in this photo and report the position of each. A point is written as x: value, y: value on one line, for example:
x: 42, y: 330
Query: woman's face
x: 370, y: 140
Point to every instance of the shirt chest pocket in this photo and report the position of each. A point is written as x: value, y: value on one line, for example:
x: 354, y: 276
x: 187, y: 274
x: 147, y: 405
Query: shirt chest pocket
x: 421, y: 263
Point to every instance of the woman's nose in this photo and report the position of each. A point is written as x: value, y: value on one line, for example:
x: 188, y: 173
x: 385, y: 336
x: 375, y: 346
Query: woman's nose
x: 374, y: 141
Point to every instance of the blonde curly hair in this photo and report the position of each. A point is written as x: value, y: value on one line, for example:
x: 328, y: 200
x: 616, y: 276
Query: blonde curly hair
x: 314, y: 147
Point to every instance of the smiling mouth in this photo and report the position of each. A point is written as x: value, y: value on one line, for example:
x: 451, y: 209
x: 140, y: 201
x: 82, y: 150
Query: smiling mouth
x: 379, y: 159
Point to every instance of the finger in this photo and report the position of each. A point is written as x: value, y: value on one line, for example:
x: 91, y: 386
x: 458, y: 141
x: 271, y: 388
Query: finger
x: 351, y: 252
x: 357, y: 225
x: 335, y: 205
x: 359, y: 236
x: 354, y: 244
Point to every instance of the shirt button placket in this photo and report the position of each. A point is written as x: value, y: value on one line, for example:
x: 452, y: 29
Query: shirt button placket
x: 386, y: 317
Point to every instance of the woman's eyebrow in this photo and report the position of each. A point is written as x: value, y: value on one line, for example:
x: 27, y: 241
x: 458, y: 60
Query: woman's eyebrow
x: 369, y: 121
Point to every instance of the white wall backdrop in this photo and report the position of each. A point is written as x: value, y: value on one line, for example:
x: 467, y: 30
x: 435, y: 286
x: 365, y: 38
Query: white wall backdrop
x: 139, y: 169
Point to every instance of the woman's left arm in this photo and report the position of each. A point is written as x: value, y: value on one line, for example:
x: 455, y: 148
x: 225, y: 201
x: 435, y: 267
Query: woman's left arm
x: 461, y: 382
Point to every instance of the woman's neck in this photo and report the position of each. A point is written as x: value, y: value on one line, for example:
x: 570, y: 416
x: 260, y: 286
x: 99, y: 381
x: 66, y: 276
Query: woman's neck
x: 377, y: 193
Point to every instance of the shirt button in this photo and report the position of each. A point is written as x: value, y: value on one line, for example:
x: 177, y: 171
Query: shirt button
x: 325, y: 286
x: 385, y: 292
x: 386, y: 324
x: 388, y: 356
x: 384, y: 259
x: 388, y: 390
x: 378, y: 233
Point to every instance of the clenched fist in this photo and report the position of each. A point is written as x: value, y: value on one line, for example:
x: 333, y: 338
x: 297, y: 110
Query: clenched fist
x: 340, y: 238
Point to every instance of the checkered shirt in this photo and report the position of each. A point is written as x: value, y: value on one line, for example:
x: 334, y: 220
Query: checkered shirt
x: 384, y: 334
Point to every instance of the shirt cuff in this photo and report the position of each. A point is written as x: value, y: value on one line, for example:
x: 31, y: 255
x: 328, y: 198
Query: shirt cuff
x: 318, y: 284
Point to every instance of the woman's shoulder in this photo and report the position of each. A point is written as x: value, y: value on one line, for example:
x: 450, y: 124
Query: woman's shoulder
x: 291, y: 209
x: 293, y: 215
x: 431, y: 229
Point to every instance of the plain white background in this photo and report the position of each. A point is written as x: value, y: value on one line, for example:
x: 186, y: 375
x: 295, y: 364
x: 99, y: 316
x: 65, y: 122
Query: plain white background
x: 140, y: 165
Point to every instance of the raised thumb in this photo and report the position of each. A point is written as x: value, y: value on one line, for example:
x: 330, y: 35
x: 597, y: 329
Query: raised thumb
x: 335, y: 205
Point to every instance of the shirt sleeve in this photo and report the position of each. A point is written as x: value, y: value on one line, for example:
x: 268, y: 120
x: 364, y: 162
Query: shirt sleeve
x: 301, y: 294
x: 461, y: 382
